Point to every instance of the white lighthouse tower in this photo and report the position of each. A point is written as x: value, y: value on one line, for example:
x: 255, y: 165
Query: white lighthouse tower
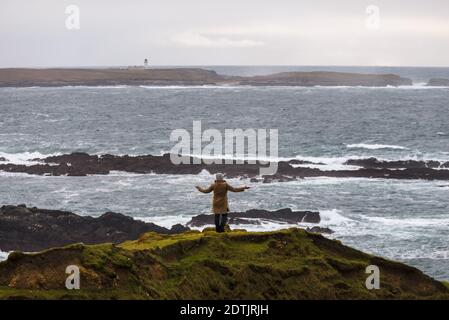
x: 145, y: 63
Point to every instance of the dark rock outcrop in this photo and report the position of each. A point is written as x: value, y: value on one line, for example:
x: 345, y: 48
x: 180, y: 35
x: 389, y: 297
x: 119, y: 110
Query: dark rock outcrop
x: 255, y: 216
x: 278, y: 178
x: 34, y: 229
x: 81, y: 164
x: 438, y: 82
x: 317, y: 229
x: 398, y: 164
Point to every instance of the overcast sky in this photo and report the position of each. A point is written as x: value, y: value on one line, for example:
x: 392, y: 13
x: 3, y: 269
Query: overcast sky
x: 228, y: 32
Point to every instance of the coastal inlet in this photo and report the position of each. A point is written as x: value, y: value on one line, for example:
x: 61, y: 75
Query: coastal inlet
x: 335, y: 128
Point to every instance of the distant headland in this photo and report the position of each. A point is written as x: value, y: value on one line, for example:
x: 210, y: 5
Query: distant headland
x: 57, y: 77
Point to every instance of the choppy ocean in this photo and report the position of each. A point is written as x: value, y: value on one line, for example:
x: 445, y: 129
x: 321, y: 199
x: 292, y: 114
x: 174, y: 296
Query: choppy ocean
x: 397, y: 219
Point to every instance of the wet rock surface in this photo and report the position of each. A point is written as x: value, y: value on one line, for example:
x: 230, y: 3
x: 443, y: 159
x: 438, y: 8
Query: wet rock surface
x: 317, y: 229
x: 34, y: 229
x: 399, y: 164
x: 255, y: 216
x: 82, y: 164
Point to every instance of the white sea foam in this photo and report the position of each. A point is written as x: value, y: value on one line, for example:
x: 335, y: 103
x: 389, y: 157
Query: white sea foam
x: 424, y: 253
x: 20, y: 174
x: 375, y: 146
x: 94, y: 87
x: 415, y: 86
x: 23, y: 157
x: 324, y: 163
x: 326, y: 167
x: 239, y: 157
x: 116, y: 173
x: 179, y: 87
x: 166, y: 221
x: 411, y: 222
x: 327, y: 163
x: 3, y: 255
x: 71, y: 87
x: 329, y: 218
x: 321, y: 162
x: 334, y: 163
x: 333, y: 217
x: 265, y: 225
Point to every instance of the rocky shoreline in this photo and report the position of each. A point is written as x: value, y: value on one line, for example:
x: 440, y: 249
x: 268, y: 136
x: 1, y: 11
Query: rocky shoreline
x: 398, y: 164
x: 122, y: 258
x: 82, y: 164
x: 20, y: 77
x: 33, y: 229
x: 255, y: 216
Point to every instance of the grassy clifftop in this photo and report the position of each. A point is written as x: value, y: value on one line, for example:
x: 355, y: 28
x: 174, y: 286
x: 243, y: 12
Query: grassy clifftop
x: 287, y: 264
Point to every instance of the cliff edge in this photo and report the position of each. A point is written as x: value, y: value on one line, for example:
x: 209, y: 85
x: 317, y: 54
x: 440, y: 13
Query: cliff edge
x: 286, y: 264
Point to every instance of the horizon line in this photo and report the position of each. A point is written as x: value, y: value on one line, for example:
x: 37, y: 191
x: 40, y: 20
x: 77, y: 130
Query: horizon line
x: 225, y: 65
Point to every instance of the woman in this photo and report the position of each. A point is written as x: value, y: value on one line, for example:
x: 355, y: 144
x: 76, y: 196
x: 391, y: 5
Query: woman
x: 220, y: 206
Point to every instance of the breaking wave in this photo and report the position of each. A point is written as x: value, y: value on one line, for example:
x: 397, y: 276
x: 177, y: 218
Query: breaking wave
x: 3, y: 255
x: 375, y: 146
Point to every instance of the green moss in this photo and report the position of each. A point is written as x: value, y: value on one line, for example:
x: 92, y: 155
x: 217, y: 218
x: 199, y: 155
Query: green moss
x: 21, y: 294
x: 104, y: 256
x: 286, y: 264
x: 153, y: 240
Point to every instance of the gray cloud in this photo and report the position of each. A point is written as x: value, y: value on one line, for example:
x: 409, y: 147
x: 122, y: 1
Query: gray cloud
x: 200, y: 32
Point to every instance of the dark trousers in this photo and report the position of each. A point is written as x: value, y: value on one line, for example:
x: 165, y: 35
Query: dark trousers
x: 220, y: 222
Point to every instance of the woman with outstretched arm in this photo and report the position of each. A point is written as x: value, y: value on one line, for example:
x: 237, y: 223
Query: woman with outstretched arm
x: 220, y: 206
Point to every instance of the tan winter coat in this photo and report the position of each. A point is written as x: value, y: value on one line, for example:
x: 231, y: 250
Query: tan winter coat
x: 220, y: 200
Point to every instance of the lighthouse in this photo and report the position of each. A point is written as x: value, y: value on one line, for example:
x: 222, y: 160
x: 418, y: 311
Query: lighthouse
x: 145, y: 63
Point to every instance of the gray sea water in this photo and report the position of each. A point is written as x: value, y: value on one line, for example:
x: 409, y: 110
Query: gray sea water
x: 402, y: 220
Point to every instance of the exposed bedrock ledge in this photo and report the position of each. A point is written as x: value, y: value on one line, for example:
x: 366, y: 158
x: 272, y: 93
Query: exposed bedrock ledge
x: 255, y: 216
x: 81, y: 164
x: 187, y: 76
x: 398, y: 164
x: 34, y: 229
